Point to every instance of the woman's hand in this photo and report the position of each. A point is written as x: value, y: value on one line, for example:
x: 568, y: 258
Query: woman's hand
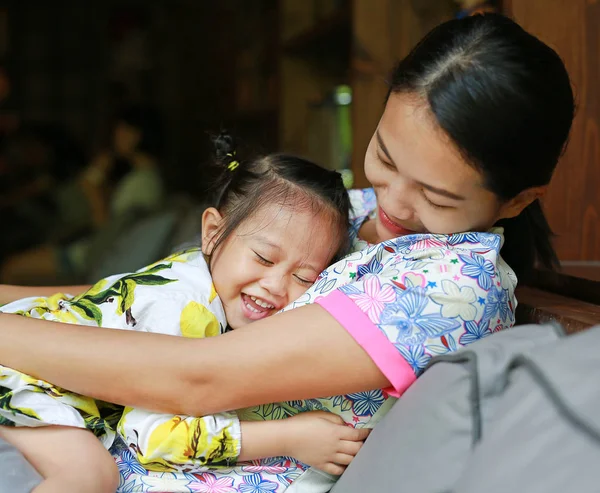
x: 322, y: 440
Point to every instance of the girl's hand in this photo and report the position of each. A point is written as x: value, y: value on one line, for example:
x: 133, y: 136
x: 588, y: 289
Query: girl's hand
x: 322, y: 440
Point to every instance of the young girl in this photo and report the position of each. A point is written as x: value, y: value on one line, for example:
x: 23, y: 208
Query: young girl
x: 278, y: 222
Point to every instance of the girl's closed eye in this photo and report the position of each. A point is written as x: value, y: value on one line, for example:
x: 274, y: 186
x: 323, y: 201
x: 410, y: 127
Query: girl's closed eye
x: 262, y: 260
x: 303, y: 281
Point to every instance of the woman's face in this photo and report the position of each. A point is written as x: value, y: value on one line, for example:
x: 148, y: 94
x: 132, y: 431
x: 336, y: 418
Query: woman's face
x: 421, y: 181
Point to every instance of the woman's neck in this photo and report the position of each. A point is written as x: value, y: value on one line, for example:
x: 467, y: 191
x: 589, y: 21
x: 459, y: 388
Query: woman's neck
x: 368, y: 232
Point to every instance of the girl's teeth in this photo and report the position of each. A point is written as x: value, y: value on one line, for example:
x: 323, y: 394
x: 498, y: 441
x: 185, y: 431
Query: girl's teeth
x: 262, y: 303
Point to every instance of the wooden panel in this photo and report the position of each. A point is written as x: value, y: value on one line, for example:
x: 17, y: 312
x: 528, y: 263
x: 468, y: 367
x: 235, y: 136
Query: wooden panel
x: 384, y: 32
x: 536, y: 306
x: 573, y: 202
x: 306, y: 77
x: 371, y: 59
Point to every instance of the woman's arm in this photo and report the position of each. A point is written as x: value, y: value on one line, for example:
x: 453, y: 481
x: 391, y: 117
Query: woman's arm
x: 303, y: 353
x: 9, y: 293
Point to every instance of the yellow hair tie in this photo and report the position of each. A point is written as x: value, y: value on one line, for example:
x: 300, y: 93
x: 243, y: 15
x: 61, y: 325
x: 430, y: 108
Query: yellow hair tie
x: 233, y: 165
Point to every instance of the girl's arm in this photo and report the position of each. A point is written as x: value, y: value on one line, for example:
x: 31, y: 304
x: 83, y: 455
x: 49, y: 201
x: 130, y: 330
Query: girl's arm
x: 317, y: 438
x: 165, y: 442
x: 302, y: 353
x: 9, y: 293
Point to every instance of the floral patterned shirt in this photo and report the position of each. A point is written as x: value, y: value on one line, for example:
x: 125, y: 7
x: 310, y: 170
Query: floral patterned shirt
x: 404, y: 301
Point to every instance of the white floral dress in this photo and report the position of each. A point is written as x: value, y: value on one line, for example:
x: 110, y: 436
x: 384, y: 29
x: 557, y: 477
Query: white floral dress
x: 175, y: 297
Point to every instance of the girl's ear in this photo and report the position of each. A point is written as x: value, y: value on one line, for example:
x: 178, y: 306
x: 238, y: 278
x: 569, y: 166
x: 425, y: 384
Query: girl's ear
x: 211, y: 225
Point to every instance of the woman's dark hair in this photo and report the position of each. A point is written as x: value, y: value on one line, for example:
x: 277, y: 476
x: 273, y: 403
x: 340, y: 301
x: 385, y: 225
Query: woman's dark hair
x: 243, y: 186
x: 505, y: 100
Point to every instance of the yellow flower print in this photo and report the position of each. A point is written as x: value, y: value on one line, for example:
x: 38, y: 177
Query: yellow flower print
x: 197, y: 321
x: 213, y: 293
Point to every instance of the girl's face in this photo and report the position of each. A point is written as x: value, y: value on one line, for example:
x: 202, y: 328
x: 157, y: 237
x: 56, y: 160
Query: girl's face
x: 422, y: 183
x: 270, y: 260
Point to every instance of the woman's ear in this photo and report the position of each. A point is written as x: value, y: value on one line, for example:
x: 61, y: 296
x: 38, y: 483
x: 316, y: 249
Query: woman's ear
x: 515, y: 206
x: 211, y: 225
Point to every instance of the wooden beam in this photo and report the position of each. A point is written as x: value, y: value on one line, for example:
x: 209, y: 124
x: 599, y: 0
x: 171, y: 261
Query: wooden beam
x: 536, y: 306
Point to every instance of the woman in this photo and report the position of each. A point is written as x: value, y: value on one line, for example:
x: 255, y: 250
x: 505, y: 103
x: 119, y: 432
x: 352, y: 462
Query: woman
x: 475, y: 122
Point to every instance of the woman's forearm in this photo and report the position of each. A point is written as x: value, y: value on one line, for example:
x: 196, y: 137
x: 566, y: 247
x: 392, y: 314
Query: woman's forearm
x: 118, y: 366
x: 9, y: 293
x: 303, y: 353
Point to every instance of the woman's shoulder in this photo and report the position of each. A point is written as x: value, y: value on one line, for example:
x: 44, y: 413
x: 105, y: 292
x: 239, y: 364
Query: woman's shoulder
x: 363, y: 202
x: 425, y: 294
x: 423, y: 261
x: 475, y: 254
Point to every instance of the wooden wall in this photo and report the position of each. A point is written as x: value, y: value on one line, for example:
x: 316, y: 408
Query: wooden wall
x: 384, y: 31
x: 572, y: 27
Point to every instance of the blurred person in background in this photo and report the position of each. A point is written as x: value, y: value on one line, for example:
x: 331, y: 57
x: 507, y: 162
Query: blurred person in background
x: 120, y: 182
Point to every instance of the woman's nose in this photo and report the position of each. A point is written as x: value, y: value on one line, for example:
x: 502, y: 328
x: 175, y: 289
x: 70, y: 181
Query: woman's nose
x: 401, y: 199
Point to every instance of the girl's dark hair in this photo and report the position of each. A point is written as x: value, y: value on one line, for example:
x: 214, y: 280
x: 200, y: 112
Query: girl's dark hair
x: 243, y: 186
x: 505, y: 100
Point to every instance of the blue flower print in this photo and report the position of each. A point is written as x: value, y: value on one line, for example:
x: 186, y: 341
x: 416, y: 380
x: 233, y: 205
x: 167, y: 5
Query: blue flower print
x: 458, y: 238
x: 128, y: 486
x: 403, y: 244
x: 474, y: 332
x: 490, y: 240
x: 255, y: 484
x: 448, y: 345
x: 477, y: 267
x: 414, y: 327
x: 416, y: 357
x: 342, y: 402
x: 496, y: 304
x: 366, y: 403
x: 128, y: 464
x: 324, y: 285
x: 373, y: 267
x: 350, y: 289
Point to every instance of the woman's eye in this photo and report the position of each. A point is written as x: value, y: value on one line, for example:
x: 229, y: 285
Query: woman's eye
x: 262, y: 260
x: 384, y: 162
x: 434, y: 205
x: 304, y: 281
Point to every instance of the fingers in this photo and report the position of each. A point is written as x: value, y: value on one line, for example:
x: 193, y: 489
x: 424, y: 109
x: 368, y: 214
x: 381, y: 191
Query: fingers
x: 334, y: 418
x: 343, y: 459
x: 355, y: 434
x: 349, y: 448
x: 334, y: 469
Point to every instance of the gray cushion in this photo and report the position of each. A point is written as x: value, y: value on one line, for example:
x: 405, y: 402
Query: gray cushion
x: 424, y: 443
x: 16, y: 474
x: 544, y: 436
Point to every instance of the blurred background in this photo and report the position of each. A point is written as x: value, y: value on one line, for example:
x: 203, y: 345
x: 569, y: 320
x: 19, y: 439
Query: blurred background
x: 106, y: 107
